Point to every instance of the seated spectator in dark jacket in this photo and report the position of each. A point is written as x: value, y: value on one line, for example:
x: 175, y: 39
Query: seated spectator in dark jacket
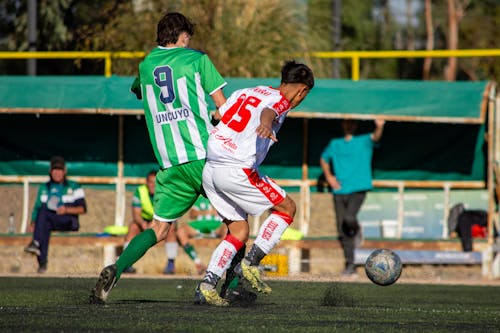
x: 468, y: 224
x: 58, y: 204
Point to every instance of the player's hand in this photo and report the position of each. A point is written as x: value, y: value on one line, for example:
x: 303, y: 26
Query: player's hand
x: 30, y: 228
x: 334, y: 183
x: 379, y: 122
x: 265, y: 132
x: 62, y: 210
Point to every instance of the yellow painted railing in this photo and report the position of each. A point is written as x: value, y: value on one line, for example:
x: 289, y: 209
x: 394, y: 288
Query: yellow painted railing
x: 107, y: 56
x: 355, y: 56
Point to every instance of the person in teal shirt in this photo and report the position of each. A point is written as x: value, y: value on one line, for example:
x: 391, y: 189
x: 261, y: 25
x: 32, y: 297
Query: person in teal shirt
x: 346, y: 164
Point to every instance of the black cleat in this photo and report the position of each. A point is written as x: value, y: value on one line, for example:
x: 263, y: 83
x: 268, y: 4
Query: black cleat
x: 207, y: 294
x: 105, y: 283
x: 240, y: 297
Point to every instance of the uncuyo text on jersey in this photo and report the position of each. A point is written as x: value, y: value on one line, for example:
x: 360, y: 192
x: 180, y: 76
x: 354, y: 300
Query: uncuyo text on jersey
x: 173, y: 115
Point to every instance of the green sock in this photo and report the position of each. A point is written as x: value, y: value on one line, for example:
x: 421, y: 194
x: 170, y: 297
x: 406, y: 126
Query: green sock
x: 190, y: 251
x: 234, y: 283
x: 135, y: 250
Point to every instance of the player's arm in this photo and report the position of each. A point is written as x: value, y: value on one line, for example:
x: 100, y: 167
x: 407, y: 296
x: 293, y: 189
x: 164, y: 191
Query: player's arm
x: 77, y: 207
x: 136, y: 88
x: 137, y: 218
x: 71, y: 210
x: 265, y: 128
x: 329, y: 176
x: 219, y: 99
x: 379, y: 129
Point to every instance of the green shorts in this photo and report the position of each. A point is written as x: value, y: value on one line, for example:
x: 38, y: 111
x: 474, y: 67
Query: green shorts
x: 177, y: 189
x: 205, y: 226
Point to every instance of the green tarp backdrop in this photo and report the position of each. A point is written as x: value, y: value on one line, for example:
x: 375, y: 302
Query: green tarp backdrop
x: 417, y: 148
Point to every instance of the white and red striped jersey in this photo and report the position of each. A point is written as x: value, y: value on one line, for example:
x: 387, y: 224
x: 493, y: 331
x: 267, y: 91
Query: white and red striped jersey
x: 234, y: 142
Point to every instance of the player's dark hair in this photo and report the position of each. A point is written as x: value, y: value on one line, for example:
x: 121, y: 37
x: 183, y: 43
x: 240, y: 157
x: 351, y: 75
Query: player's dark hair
x: 151, y: 173
x: 294, y: 72
x: 171, y: 26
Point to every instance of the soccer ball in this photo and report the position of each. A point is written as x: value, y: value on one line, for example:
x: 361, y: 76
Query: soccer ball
x: 383, y: 267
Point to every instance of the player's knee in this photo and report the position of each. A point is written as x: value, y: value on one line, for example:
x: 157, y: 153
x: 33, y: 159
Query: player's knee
x: 350, y: 226
x: 161, y: 229
x: 240, y: 230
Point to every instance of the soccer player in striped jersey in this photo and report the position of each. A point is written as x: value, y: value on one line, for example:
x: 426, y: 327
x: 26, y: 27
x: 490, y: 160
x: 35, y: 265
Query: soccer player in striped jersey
x: 250, y: 119
x: 173, y: 81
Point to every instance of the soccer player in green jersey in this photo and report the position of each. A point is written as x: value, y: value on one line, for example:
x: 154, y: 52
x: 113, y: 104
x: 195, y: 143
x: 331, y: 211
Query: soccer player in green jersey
x: 173, y: 82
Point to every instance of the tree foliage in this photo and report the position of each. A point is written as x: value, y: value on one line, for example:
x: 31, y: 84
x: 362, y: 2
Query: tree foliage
x: 59, y: 25
x: 476, y: 30
x: 251, y: 38
x: 244, y: 39
x: 58, y: 22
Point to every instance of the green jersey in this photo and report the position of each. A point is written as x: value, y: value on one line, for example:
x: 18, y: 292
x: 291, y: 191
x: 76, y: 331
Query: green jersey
x: 174, y: 83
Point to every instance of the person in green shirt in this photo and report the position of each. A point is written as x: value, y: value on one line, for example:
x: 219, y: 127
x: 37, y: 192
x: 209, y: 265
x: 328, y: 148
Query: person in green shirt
x: 142, y: 215
x: 173, y: 81
x: 58, y: 204
x: 203, y: 222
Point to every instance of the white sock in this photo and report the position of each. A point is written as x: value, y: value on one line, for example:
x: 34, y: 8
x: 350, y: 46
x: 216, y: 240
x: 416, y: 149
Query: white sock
x: 270, y: 232
x: 221, y: 258
x: 172, y: 248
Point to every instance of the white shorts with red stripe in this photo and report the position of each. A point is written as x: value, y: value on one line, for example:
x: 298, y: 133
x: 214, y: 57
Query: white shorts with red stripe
x: 237, y: 192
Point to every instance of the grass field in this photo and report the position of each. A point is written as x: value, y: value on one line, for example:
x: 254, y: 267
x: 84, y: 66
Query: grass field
x: 165, y: 305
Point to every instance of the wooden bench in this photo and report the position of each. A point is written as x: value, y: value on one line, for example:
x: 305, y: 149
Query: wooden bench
x: 305, y: 243
x: 412, y: 252
x: 109, y: 244
x: 64, y: 239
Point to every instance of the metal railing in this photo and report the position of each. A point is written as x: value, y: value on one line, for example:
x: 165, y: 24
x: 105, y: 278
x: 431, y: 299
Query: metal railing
x: 304, y: 201
x: 354, y: 56
x: 107, y: 56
